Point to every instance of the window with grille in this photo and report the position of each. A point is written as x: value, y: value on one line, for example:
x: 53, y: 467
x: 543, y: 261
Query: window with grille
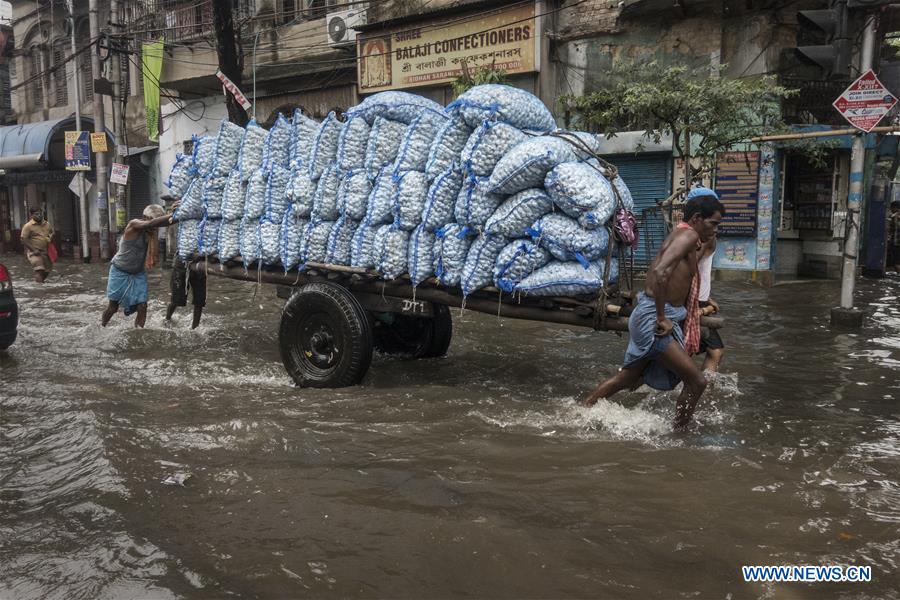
x: 60, y: 81
x: 35, y: 72
x: 287, y: 11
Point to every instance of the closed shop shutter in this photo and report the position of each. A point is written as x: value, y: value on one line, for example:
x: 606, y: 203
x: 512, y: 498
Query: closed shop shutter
x: 649, y: 178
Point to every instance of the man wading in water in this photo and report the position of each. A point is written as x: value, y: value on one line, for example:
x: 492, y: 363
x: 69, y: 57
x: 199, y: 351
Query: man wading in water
x: 672, y: 285
x: 127, y: 271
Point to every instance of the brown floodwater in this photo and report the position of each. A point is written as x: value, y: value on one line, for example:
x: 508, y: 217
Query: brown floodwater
x: 471, y: 476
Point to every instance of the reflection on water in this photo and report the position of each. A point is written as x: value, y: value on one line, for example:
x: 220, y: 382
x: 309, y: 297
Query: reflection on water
x: 474, y: 475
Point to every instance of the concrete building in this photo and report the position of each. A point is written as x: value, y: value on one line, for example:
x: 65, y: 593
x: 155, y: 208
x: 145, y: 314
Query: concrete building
x: 43, y: 100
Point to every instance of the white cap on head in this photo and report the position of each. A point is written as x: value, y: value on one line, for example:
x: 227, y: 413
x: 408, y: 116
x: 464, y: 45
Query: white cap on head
x: 152, y: 211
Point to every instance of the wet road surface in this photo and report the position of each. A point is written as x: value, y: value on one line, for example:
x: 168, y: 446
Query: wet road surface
x: 469, y: 476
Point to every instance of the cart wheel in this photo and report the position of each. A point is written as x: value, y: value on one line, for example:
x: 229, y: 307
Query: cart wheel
x: 325, y: 337
x: 414, y: 337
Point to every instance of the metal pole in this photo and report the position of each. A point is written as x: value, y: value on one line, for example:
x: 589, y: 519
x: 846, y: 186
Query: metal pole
x: 118, y: 118
x: 82, y: 197
x: 847, y: 314
x: 103, y: 203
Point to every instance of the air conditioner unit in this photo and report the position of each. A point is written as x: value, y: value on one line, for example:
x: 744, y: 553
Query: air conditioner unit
x: 339, y: 26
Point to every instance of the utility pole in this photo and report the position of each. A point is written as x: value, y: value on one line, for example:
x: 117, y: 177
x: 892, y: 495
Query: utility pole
x: 82, y: 197
x: 231, y: 61
x: 99, y: 127
x: 120, y: 150
x: 846, y: 313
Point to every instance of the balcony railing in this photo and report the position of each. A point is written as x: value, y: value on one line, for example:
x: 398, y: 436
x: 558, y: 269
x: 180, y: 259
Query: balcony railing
x: 178, y: 20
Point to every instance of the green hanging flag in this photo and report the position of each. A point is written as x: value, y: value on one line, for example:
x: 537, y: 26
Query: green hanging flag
x: 151, y: 66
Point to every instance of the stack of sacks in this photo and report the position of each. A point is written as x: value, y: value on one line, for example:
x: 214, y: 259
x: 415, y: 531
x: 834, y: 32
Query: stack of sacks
x: 485, y: 192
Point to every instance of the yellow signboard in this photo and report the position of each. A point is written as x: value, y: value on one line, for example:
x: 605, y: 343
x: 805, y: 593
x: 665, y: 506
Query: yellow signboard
x: 434, y: 53
x: 98, y: 142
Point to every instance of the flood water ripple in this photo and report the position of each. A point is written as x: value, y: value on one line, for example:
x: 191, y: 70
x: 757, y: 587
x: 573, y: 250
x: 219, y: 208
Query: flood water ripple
x: 474, y: 476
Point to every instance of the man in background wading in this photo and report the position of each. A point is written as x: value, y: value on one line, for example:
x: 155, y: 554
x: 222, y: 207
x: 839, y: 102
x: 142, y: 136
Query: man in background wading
x: 659, y: 352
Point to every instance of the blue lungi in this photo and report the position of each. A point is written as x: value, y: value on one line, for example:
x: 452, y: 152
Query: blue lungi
x: 643, y: 343
x: 127, y: 289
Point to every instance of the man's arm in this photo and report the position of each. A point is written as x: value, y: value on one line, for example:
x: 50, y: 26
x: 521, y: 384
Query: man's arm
x: 681, y: 245
x: 163, y: 221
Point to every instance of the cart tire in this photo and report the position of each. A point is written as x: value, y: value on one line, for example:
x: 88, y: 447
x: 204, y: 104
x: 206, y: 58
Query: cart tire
x: 325, y: 337
x: 415, y: 337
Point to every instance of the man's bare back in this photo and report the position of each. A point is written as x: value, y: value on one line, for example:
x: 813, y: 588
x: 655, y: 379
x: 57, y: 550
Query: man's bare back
x: 683, y: 267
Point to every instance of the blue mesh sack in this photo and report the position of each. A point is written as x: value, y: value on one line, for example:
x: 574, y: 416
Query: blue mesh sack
x: 324, y: 146
x: 209, y: 236
x: 567, y: 279
x: 325, y: 204
x: 391, y: 247
x: 397, y: 106
x: 340, y: 241
x: 278, y: 144
x: 229, y: 244
x: 292, y: 228
x: 228, y: 147
x: 441, y: 199
x: 567, y: 240
x: 204, y: 155
x: 352, y: 143
x: 478, y: 271
x: 191, y: 206
x: 474, y: 204
x: 303, y: 136
x: 410, y: 190
x: 233, y: 196
x: 362, y: 247
x: 527, y: 164
x: 517, y: 213
x: 302, y: 191
x: 214, y: 195
x: 353, y: 194
x: 487, y: 145
x: 314, y: 242
x: 180, y: 176
x: 518, y: 260
x: 188, y: 239
x: 505, y: 103
x: 420, y: 262
x: 255, y: 197
x: 276, y: 193
x: 252, y: 147
x: 270, y: 241
x: 383, y: 144
x: 581, y: 192
x: 416, y: 144
x: 250, y: 241
x: 449, y: 142
x: 624, y: 192
x: 451, y: 247
x: 379, y: 208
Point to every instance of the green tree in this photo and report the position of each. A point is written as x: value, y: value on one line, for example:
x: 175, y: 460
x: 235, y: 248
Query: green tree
x: 704, y: 113
x: 478, y: 76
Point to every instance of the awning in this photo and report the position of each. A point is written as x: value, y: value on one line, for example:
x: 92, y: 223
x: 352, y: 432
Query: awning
x: 27, y: 146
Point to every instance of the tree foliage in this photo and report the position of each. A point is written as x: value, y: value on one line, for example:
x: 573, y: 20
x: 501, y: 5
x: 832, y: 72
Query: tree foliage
x: 719, y: 113
x: 477, y: 76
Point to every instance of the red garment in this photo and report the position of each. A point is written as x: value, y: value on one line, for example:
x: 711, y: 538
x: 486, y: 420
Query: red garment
x: 691, y: 324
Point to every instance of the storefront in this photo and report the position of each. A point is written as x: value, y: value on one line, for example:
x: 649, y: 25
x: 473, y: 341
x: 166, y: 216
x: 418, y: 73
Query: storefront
x: 32, y: 156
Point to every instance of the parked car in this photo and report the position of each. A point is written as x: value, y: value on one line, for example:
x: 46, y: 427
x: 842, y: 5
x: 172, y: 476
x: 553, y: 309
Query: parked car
x: 9, y: 310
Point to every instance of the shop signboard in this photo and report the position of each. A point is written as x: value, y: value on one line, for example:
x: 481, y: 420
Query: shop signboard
x: 433, y: 53
x: 737, y: 183
x: 78, y: 151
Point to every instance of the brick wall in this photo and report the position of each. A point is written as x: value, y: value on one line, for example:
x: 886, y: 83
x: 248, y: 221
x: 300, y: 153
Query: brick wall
x: 589, y: 19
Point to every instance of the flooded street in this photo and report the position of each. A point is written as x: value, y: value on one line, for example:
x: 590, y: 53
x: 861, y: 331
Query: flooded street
x: 471, y: 476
